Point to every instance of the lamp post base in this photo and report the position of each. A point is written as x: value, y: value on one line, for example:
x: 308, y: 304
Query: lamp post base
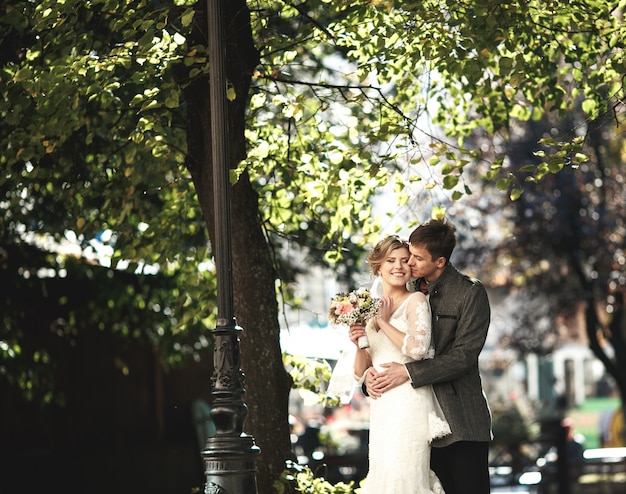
x: 229, y: 465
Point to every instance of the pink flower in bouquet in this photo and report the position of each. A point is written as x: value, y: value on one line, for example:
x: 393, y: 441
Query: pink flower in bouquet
x: 343, y: 308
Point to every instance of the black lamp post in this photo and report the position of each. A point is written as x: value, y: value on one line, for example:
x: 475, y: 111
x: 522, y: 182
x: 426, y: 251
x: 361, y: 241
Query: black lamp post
x: 229, y: 455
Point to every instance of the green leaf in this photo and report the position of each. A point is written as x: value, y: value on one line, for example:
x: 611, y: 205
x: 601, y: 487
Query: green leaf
x: 590, y: 106
x: 187, y: 17
x: 438, y: 212
x: 515, y: 194
x: 23, y: 74
x: 450, y: 181
x: 447, y: 168
x: 503, y: 183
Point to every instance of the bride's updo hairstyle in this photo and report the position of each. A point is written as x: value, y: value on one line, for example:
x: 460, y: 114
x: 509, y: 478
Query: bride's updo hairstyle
x: 382, y: 249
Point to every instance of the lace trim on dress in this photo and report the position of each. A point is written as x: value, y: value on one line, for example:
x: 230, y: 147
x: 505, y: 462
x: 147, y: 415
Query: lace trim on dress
x: 438, y: 425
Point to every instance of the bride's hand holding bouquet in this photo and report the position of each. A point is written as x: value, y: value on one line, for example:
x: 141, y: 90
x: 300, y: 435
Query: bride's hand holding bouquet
x: 353, y: 308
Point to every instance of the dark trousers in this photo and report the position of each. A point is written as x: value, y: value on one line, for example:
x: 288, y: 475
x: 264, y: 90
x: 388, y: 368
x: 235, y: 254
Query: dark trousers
x: 462, y: 467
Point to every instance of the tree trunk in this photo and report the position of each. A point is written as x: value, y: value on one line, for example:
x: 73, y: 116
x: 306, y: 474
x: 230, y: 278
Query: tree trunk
x: 267, y: 384
x: 617, y: 341
x: 617, y: 338
x: 616, y: 334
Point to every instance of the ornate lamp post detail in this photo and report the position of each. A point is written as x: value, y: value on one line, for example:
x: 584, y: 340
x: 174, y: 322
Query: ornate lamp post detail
x: 229, y: 456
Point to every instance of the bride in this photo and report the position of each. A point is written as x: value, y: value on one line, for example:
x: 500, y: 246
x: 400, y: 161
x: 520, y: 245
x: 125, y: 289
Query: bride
x: 404, y: 420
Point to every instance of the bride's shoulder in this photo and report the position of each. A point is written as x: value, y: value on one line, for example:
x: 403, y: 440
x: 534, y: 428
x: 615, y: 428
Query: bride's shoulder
x: 417, y: 297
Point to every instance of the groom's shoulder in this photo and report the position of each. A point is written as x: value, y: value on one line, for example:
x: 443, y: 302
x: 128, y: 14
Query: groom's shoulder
x: 462, y: 278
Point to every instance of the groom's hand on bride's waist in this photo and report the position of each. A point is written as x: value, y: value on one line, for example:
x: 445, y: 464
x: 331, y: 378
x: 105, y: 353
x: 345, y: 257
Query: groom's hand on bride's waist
x: 371, y: 388
x: 392, y: 375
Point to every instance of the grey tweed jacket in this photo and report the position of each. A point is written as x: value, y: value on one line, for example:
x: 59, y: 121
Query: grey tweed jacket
x: 461, y: 315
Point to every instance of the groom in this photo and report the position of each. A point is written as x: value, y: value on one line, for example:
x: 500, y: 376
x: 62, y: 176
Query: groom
x: 460, y: 319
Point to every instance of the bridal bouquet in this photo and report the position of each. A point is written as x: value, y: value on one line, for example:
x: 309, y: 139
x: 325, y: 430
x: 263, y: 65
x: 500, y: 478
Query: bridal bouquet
x: 357, y: 306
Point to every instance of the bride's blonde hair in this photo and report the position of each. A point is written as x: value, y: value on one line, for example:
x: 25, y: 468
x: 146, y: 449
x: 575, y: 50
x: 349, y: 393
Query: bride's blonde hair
x: 382, y: 249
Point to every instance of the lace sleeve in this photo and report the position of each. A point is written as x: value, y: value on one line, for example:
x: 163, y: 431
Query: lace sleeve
x: 417, y: 341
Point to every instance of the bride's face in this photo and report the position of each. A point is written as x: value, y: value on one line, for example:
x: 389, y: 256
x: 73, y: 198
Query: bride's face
x: 395, y: 268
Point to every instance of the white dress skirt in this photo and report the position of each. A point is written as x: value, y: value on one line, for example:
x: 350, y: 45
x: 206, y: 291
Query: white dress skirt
x: 404, y: 420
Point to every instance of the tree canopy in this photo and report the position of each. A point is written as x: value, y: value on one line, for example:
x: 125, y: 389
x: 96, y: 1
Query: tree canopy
x: 105, y: 128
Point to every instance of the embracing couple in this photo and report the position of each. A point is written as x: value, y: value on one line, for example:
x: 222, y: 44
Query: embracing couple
x: 430, y: 423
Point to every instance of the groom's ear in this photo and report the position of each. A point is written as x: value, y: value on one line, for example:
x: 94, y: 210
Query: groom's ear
x: 441, y: 262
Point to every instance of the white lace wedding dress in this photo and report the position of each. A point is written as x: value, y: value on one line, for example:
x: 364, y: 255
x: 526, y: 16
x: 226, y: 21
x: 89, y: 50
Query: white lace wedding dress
x: 404, y: 420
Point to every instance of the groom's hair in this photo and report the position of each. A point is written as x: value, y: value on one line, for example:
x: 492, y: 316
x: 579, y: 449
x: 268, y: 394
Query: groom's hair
x: 437, y: 236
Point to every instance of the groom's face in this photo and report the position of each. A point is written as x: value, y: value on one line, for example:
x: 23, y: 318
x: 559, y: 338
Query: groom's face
x: 423, y: 265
